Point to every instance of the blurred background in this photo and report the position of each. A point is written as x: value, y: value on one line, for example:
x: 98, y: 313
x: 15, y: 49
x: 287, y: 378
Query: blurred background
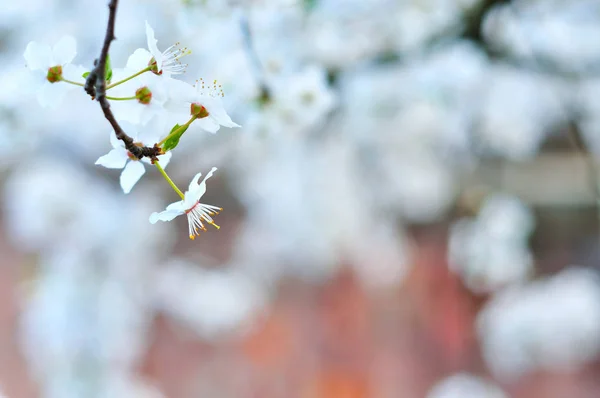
x: 410, y: 208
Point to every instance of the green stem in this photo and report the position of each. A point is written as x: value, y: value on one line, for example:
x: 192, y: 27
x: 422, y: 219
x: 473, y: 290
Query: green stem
x: 171, y: 183
x: 121, y: 98
x: 177, y: 130
x: 72, y: 82
x: 127, y: 78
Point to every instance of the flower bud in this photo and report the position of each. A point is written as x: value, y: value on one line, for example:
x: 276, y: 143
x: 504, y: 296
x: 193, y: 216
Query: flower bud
x: 54, y: 74
x: 154, y: 66
x: 143, y: 95
x: 198, y: 110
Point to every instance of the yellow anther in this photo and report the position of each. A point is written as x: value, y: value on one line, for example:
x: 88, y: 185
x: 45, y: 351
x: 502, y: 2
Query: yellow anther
x: 214, y: 225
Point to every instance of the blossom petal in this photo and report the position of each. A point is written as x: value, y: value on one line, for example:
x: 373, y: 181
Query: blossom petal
x: 152, y: 46
x: 74, y: 72
x: 64, y: 51
x: 50, y: 95
x: 115, y: 159
x: 166, y: 215
x: 224, y: 120
x: 147, y: 112
x: 194, y: 183
x: 181, y: 91
x: 128, y: 111
x: 215, y: 108
x: 117, y: 144
x: 139, y: 59
x: 133, y: 171
x: 208, y: 123
x: 38, y: 56
x: 195, y: 190
x: 153, y: 131
x: 130, y: 129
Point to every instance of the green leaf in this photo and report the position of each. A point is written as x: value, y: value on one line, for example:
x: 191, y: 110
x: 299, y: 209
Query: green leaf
x: 173, y: 141
x: 85, y: 75
x: 107, y: 69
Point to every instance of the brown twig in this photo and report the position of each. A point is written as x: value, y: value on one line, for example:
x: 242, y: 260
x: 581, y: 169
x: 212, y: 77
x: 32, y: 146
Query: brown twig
x: 95, y: 86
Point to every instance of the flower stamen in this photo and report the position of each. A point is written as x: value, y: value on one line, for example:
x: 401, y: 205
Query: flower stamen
x: 197, y: 214
x: 170, y: 61
x: 214, y: 90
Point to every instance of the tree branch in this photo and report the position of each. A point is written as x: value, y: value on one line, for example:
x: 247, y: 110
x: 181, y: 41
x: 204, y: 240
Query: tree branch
x: 95, y: 86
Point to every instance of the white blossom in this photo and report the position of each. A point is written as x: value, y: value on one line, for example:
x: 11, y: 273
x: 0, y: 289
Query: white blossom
x: 52, y: 64
x: 212, y: 302
x: 203, y: 100
x: 166, y: 62
x: 151, y: 92
x: 465, y: 385
x: 490, y: 251
x: 197, y: 213
x: 120, y: 158
x: 551, y: 324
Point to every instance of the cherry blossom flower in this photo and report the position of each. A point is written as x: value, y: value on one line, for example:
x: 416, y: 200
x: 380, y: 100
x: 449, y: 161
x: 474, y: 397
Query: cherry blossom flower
x: 203, y: 101
x: 197, y: 213
x: 52, y: 65
x: 165, y: 62
x: 120, y: 158
x: 150, y: 91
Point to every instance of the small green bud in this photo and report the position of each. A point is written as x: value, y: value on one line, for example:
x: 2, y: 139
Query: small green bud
x: 154, y: 66
x: 198, y: 110
x: 54, y: 74
x: 143, y: 95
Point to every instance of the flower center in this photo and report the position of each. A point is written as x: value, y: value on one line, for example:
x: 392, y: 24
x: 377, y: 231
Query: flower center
x: 212, y: 90
x: 54, y: 74
x: 170, y: 60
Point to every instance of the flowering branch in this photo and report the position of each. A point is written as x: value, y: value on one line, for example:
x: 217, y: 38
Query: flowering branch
x: 199, y: 103
x: 95, y: 86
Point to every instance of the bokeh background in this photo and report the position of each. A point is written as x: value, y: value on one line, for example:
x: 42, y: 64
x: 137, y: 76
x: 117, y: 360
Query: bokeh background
x: 409, y: 209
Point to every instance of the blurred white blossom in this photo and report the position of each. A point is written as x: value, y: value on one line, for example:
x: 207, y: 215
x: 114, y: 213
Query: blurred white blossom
x: 518, y: 110
x: 551, y: 324
x: 465, y: 385
x: 491, y: 251
x: 212, y: 302
x: 559, y: 32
